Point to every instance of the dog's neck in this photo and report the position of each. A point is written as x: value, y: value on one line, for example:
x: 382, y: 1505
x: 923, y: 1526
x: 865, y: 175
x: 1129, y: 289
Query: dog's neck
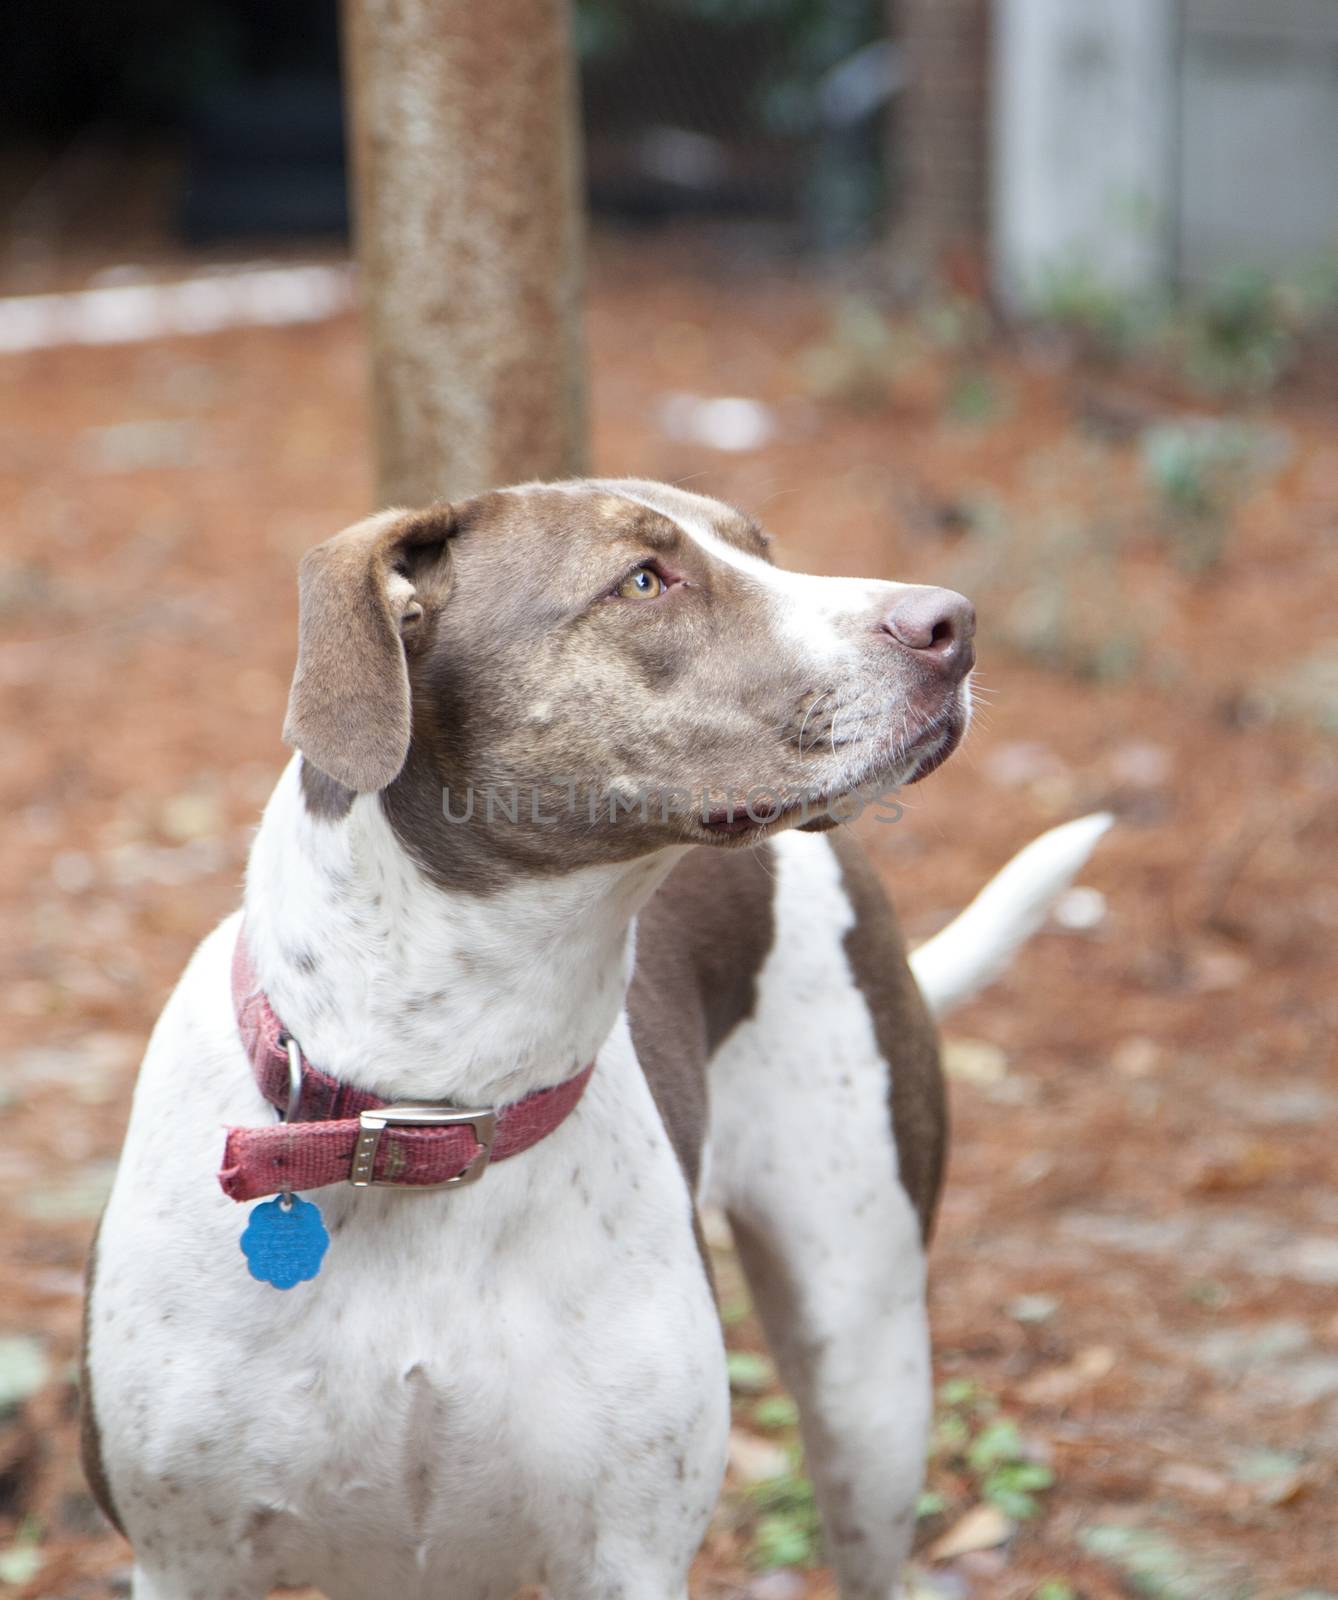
x: 418, y: 993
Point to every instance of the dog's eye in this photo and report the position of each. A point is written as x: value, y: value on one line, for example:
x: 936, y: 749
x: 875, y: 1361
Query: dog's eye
x: 643, y: 584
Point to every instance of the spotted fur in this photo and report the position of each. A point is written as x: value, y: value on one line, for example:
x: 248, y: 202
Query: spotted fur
x: 522, y: 1382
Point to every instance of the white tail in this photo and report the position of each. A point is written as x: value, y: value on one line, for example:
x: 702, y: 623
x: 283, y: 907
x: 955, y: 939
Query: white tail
x: 978, y: 945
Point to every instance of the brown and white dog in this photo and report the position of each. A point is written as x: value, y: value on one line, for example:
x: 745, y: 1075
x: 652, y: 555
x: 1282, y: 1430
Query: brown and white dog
x: 568, y: 755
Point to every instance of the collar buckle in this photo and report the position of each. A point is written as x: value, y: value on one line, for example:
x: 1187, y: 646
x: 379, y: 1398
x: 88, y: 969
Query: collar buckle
x: 372, y: 1124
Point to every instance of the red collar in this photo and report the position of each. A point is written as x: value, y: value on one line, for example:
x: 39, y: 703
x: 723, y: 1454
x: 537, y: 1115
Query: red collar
x: 345, y: 1134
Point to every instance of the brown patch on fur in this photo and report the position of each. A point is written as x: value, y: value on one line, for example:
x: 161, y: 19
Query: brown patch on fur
x: 90, y: 1435
x: 478, y: 667
x: 530, y: 675
x: 702, y: 940
x: 705, y: 937
x: 906, y: 1034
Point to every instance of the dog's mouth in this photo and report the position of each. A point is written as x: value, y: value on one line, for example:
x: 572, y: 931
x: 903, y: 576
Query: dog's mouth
x: 914, y: 760
x: 925, y: 753
x: 933, y: 747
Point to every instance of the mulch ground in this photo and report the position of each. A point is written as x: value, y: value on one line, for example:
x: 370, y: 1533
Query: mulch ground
x: 1137, y: 1256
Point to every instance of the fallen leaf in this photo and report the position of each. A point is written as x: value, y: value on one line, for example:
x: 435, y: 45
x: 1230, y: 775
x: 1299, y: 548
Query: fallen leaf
x: 936, y: 1586
x: 1212, y: 971
x: 974, y: 1061
x: 20, y: 1564
x: 1256, y: 1466
x: 1282, y: 1490
x: 1080, y: 909
x: 1032, y: 1307
x: 784, y: 1584
x: 1202, y: 1482
x: 23, y: 1370
x: 1159, y: 1568
x: 754, y: 1460
x: 715, y: 1228
x: 1140, y: 764
x: 984, y: 1564
x: 1060, y: 1384
x: 1136, y: 1057
x: 191, y: 816
x: 1239, y: 1164
x: 982, y: 1528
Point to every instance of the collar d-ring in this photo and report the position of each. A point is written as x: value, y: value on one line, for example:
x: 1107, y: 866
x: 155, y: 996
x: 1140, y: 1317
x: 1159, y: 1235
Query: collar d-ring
x: 294, y: 1077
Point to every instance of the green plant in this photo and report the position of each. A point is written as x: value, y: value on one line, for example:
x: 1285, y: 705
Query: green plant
x: 972, y: 1439
x: 22, y: 1561
x: 775, y: 1412
x: 749, y: 1373
x: 974, y: 398
x: 1007, y: 1476
x: 787, y: 1532
x: 1199, y: 469
x: 958, y: 324
x: 1315, y: 291
x: 859, y: 360
x: 972, y: 1443
x: 735, y: 1310
x: 1236, y: 334
x: 1108, y: 322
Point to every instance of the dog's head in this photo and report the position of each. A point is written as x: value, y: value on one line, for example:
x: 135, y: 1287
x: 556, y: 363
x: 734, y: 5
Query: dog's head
x: 561, y: 674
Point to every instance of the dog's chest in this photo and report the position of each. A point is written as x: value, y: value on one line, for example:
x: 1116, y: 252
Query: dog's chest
x: 443, y: 1393
x: 457, y: 1403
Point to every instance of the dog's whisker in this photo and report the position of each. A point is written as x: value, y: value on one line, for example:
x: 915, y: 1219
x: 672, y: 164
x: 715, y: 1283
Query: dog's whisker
x: 799, y: 742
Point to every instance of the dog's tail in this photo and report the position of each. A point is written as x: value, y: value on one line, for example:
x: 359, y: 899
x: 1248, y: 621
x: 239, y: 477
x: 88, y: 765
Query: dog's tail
x: 976, y: 946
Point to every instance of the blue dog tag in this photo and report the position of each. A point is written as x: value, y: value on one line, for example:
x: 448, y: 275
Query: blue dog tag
x: 285, y: 1241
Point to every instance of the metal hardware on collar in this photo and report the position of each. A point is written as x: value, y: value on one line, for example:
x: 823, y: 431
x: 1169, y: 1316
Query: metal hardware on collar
x: 374, y: 1123
x: 294, y: 1076
x: 340, y: 1134
x: 294, y: 1051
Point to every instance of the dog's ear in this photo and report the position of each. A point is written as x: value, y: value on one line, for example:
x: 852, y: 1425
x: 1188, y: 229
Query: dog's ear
x: 359, y: 602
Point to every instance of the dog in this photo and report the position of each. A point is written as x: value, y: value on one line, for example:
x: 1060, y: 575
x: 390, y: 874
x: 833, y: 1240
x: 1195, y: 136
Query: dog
x: 549, y: 933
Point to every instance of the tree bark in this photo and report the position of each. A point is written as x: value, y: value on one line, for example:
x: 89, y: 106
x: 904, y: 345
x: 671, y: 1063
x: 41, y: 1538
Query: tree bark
x: 469, y: 218
x: 939, y: 127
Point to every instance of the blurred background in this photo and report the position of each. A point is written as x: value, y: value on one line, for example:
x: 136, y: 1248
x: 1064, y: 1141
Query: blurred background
x: 1035, y: 298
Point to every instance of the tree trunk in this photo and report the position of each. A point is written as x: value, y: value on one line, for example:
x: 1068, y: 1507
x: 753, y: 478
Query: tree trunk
x: 940, y: 127
x: 469, y: 215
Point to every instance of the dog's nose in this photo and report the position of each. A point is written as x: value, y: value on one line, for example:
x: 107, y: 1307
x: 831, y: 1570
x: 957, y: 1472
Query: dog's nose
x: 939, y: 625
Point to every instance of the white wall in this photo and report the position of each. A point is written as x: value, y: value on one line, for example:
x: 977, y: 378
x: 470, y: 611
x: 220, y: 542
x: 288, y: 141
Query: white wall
x: 1084, y: 143
x: 1259, y: 135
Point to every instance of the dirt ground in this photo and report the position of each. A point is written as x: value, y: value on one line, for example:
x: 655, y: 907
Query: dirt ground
x: 1137, y: 1258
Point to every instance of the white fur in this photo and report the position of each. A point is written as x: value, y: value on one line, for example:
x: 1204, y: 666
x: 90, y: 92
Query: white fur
x: 977, y: 945
x: 806, y: 1166
x: 466, y: 1398
x: 423, y: 994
